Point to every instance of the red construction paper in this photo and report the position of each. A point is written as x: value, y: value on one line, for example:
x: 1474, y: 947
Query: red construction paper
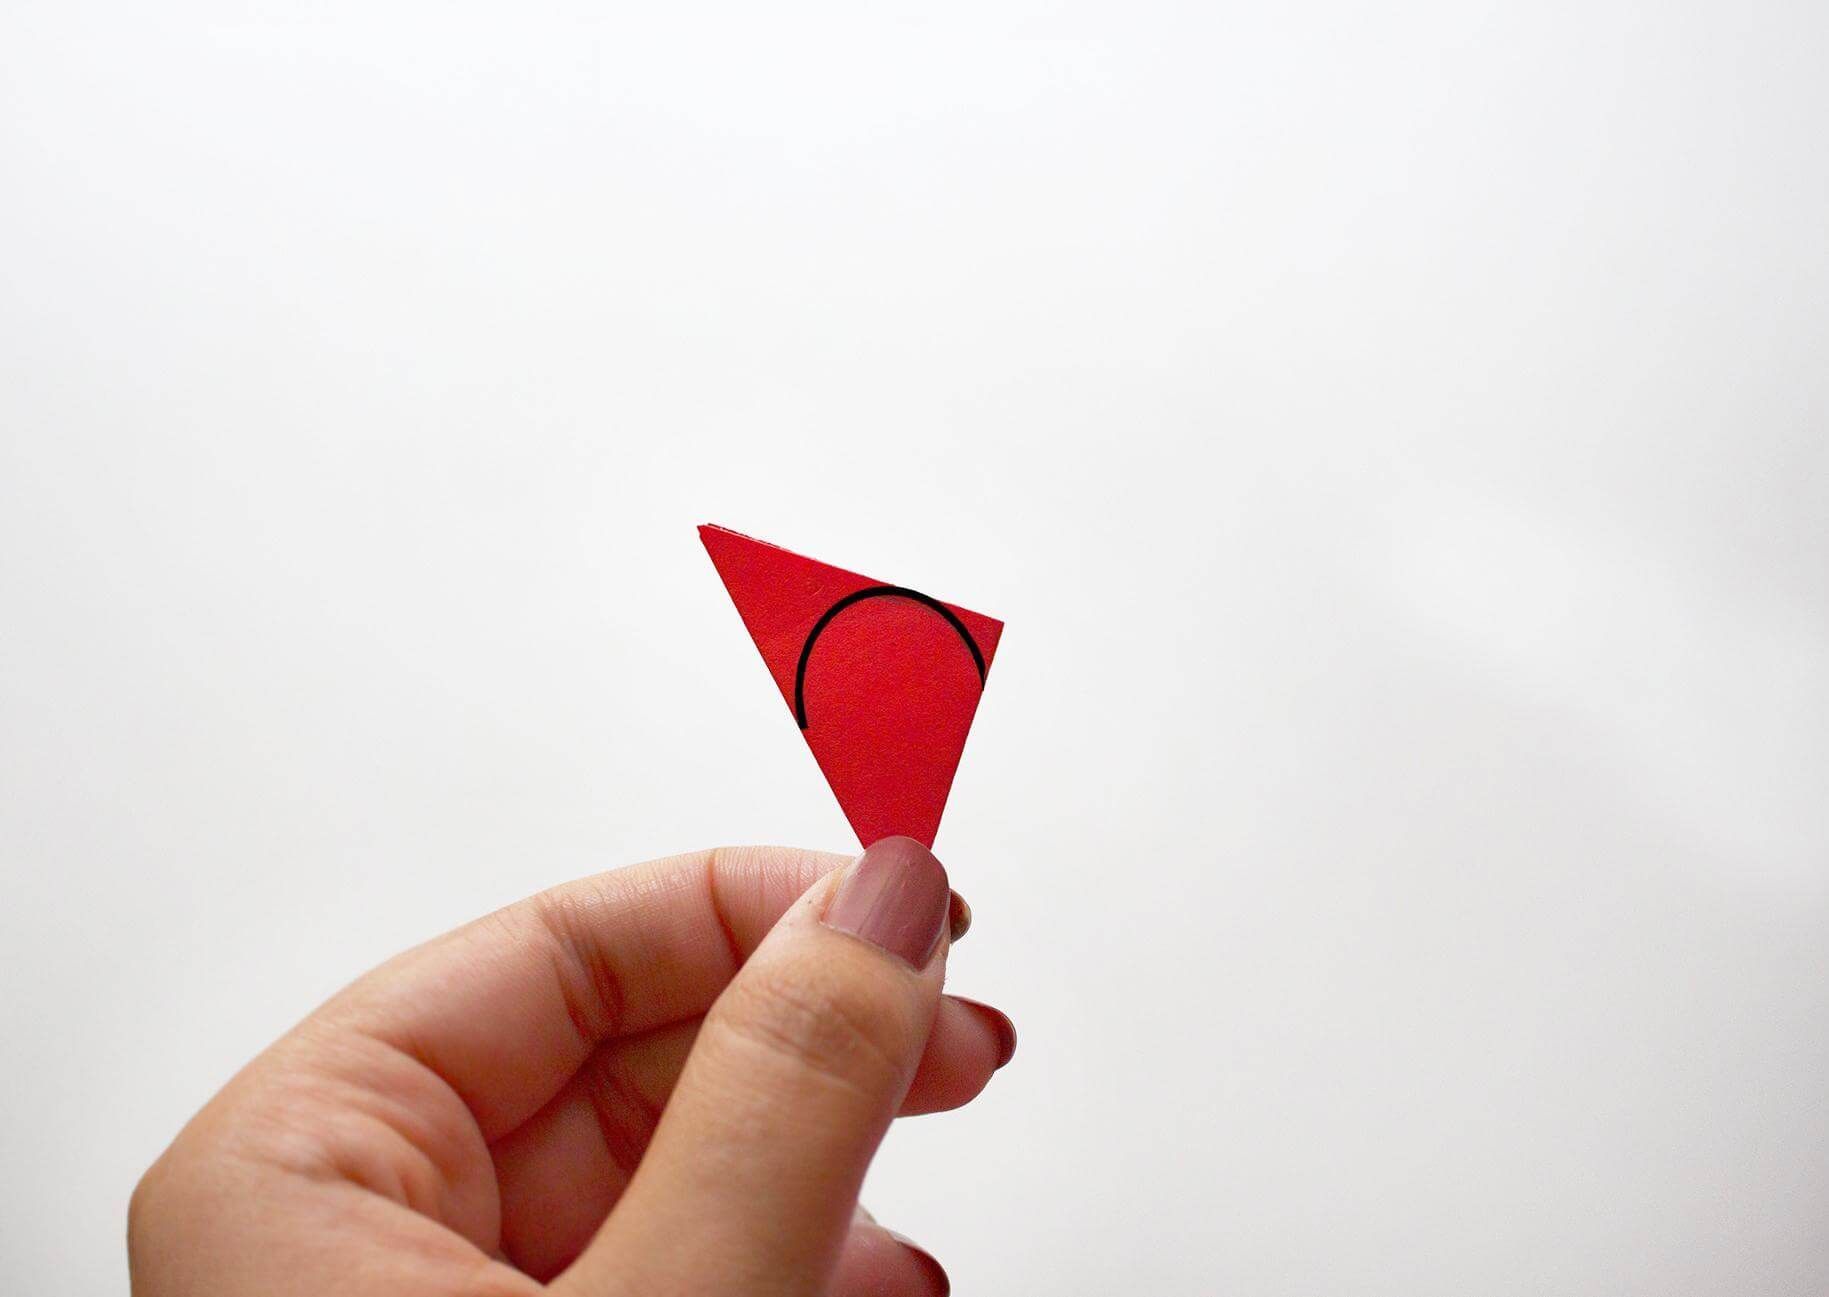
x: 883, y: 680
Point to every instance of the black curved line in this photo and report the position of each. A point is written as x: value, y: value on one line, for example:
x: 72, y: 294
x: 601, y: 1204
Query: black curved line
x: 858, y: 596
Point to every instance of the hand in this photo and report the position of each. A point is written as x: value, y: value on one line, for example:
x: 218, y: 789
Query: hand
x: 669, y: 1079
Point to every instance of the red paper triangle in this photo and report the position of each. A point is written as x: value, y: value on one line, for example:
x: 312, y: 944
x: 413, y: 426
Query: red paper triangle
x: 883, y: 680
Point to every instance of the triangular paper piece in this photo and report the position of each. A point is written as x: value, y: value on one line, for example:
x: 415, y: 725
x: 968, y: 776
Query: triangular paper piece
x: 883, y: 680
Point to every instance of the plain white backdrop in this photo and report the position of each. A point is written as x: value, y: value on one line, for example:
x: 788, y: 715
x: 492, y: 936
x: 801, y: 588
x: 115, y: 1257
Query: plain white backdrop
x: 1395, y: 437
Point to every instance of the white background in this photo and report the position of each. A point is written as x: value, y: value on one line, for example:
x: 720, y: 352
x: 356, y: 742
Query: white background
x: 1394, y: 436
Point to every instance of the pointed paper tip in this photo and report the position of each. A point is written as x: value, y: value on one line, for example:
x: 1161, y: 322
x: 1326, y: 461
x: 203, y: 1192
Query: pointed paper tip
x: 891, y: 692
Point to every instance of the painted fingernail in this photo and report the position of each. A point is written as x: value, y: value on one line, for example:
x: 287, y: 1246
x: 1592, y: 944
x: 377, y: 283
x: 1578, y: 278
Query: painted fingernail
x: 934, y: 1271
x: 999, y: 1022
x: 894, y: 897
x: 958, y: 915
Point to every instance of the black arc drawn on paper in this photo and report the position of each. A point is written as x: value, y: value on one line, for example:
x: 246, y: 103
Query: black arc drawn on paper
x: 858, y: 596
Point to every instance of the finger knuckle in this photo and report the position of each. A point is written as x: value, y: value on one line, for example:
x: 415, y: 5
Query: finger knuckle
x: 822, y: 1026
x: 626, y: 1116
x: 590, y: 982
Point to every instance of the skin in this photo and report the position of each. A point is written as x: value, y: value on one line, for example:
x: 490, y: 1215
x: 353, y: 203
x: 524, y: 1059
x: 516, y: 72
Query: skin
x: 667, y: 1079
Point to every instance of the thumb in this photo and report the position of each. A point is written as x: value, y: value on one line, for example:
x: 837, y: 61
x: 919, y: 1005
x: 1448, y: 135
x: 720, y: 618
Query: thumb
x: 750, y: 1180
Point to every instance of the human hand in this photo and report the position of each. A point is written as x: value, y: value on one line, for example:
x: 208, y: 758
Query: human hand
x: 668, y: 1079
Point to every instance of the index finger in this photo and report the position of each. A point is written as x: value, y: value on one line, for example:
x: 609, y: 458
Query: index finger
x: 504, y: 1010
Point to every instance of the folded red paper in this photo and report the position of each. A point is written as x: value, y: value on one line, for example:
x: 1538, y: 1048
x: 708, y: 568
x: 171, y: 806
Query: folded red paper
x: 883, y: 680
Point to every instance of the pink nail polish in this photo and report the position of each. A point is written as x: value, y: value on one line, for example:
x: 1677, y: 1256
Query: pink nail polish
x: 895, y: 896
x: 999, y: 1022
x: 959, y: 915
x: 939, y: 1284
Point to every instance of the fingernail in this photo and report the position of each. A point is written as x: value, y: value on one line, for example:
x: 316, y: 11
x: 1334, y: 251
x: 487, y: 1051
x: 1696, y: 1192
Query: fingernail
x: 895, y: 897
x: 935, y: 1272
x: 1000, y: 1023
x: 958, y: 915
